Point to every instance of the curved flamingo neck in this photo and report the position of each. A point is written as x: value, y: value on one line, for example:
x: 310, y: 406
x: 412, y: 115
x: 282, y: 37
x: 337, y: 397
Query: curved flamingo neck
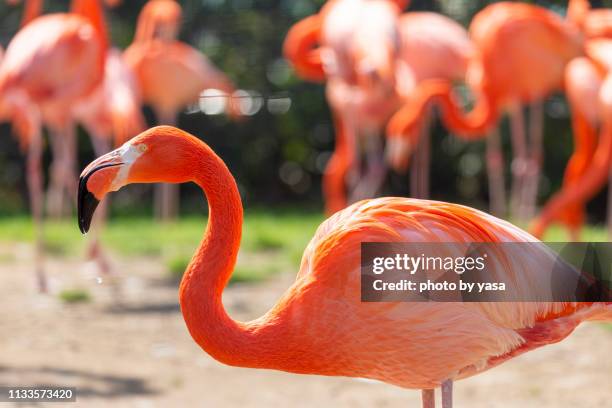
x: 300, y: 48
x: 470, y: 126
x: 200, y: 292
x: 32, y: 9
x: 92, y: 10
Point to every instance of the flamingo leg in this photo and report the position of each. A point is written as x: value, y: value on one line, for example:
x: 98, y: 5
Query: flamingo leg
x: 62, y: 186
x: 519, y: 162
x: 55, y: 191
x: 447, y: 394
x: 426, y: 160
x: 495, y: 170
x: 166, y: 195
x: 342, y: 167
x: 428, y: 398
x: 71, y: 179
x: 534, y: 165
x: 376, y: 171
x: 419, y: 172
x: 35, y: 188
x: 609, y: 215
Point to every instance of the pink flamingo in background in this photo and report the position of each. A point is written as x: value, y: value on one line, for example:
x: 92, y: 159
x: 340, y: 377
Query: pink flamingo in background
x: 51, y: 64
x: 366, y: 87
x: 418, y: 345
x: 63, y: 141
x: 359, y: 45
x: 505, y: 35
x: 162, y: 64
x: 110, y: 115
x: 583, y: 80
x: 334, y: 39
x: 433, y: 47
x: 595, y: 23
x: 594, y: 174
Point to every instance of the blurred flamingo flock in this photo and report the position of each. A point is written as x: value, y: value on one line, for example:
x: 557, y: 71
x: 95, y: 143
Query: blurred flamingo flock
x: 388, y: 75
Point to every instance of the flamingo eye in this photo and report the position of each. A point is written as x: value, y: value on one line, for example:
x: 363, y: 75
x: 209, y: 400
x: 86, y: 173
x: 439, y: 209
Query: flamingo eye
x: 142, y: 148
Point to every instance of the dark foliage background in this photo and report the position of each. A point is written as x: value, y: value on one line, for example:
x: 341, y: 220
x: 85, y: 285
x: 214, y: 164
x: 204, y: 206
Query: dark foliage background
x: 278, y: 158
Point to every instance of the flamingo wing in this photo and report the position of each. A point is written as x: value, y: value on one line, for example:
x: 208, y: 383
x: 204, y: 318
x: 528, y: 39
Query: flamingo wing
x: 412, y: 344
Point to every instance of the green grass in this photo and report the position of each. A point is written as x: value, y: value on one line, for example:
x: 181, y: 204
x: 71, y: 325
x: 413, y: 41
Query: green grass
x: 591, y: 233
x: 271, y: 241
x: 74, y: 296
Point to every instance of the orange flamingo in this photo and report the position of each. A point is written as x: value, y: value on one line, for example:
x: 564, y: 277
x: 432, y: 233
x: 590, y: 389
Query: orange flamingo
x: 162, y: 64
x: 52, y: 63
x: 506, y: 35
x: 420, y: 345
x: 594, y: 174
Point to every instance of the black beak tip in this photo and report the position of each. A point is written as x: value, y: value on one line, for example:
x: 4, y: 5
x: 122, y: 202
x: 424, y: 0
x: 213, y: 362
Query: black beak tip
x: 87, y: 204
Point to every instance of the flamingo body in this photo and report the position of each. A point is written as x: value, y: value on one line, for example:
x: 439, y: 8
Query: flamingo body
x: 160, y: 66
x: 320, y: 326
x: 46, y: 56
x: 508, y: 34
x: 113, y: 109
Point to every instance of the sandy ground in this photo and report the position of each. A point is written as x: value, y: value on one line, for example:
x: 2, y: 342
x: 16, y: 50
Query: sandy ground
x: 139, y: 354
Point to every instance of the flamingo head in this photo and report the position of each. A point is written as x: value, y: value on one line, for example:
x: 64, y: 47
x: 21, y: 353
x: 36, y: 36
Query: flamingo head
x: 159, y: 19
x: 376, y: 46
x: 157, y: 155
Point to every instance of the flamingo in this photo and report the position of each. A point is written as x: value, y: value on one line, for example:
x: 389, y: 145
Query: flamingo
x: 433, y: 47
x: 364, y: 88
x: 162, y: 64
x: 583, y: 80
x: 505, y: 35
x: 342, y: 34
x: 109, y: 115
x: 420, y: 345
x: 359, y: 46
x: 592, y: 179
x: 51, y: 63
x: 63, y: 138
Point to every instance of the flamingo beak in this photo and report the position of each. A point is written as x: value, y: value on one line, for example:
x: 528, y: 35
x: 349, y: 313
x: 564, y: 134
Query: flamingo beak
x: 87, y: 202
x: 95, y: 182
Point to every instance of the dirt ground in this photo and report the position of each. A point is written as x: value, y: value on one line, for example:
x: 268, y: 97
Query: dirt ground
x: 139, y: 354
